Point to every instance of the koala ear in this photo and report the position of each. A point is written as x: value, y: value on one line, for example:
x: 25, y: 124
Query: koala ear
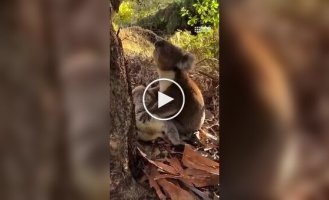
x: 186, y: 62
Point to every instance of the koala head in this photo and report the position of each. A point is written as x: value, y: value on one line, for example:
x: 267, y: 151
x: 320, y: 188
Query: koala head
x: 170, y: 57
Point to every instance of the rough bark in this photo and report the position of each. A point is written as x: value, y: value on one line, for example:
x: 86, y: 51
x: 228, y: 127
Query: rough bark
x: 123, y: 158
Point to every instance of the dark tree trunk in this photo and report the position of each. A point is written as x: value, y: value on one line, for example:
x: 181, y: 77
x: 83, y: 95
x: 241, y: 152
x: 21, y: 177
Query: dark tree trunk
x: 123, y: 162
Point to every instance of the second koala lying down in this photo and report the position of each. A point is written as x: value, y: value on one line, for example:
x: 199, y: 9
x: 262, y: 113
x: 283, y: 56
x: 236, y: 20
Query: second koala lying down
x: 153, y: 128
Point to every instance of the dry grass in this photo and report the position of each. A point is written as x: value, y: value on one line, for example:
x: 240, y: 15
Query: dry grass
x: 134, y: 43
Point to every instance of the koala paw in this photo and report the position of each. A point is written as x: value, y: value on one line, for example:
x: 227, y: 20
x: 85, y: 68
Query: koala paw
x: 144, y: 117
x: 172, y: 133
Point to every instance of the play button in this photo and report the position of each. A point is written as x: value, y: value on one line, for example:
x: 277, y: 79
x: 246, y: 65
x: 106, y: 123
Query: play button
x: 163, y: 99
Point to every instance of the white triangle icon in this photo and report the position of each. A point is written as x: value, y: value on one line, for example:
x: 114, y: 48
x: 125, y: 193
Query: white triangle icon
x: 163, y: 99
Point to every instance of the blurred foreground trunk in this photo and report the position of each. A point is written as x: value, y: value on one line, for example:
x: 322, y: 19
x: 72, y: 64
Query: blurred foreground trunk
x: 54, y: 100
x: 31, y: 127
x: 275, y: 70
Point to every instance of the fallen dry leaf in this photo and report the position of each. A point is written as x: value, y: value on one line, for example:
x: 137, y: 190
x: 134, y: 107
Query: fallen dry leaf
x: 200, y: 178
x: 203, y: 195
x: 154, y: 184
x: 194, y: 160
x: 165, y: 167
x: 161, y: 176
x: 200, y: 173
x: 192, y: 177
x: 175, y: 163
x: 160, y: 165
x: 175, y: 192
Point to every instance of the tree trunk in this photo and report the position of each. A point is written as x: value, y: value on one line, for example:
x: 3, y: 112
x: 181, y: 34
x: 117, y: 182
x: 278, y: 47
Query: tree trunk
x: 80, y: 33
x: 123, y: 158
x: 54, y: 100
x: 30, y: 113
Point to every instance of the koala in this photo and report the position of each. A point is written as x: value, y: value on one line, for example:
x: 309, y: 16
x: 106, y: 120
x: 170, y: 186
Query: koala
x: 172, y: 63
x: 152, y: 129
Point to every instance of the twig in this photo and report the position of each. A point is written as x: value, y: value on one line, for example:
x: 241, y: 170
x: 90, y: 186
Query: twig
x: 124, y: 38
x: 215, y: 78
x: 214, y: 59
x: 118, y: 32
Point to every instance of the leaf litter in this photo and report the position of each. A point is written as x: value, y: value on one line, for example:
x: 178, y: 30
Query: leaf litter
x: 182, y: 177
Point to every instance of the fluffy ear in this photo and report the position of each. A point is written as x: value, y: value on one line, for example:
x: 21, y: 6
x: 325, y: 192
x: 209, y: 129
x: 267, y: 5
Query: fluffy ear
x: 186, y: 62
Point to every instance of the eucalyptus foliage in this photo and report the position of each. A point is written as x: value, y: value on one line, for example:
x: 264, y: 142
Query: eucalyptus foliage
x: 203, y: 12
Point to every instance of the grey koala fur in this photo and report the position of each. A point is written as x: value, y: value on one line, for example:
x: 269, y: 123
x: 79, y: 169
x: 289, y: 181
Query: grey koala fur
x: 152, y: 128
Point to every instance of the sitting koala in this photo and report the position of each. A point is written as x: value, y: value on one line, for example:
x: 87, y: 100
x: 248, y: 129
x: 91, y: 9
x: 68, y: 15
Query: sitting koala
x: 152, y: 128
